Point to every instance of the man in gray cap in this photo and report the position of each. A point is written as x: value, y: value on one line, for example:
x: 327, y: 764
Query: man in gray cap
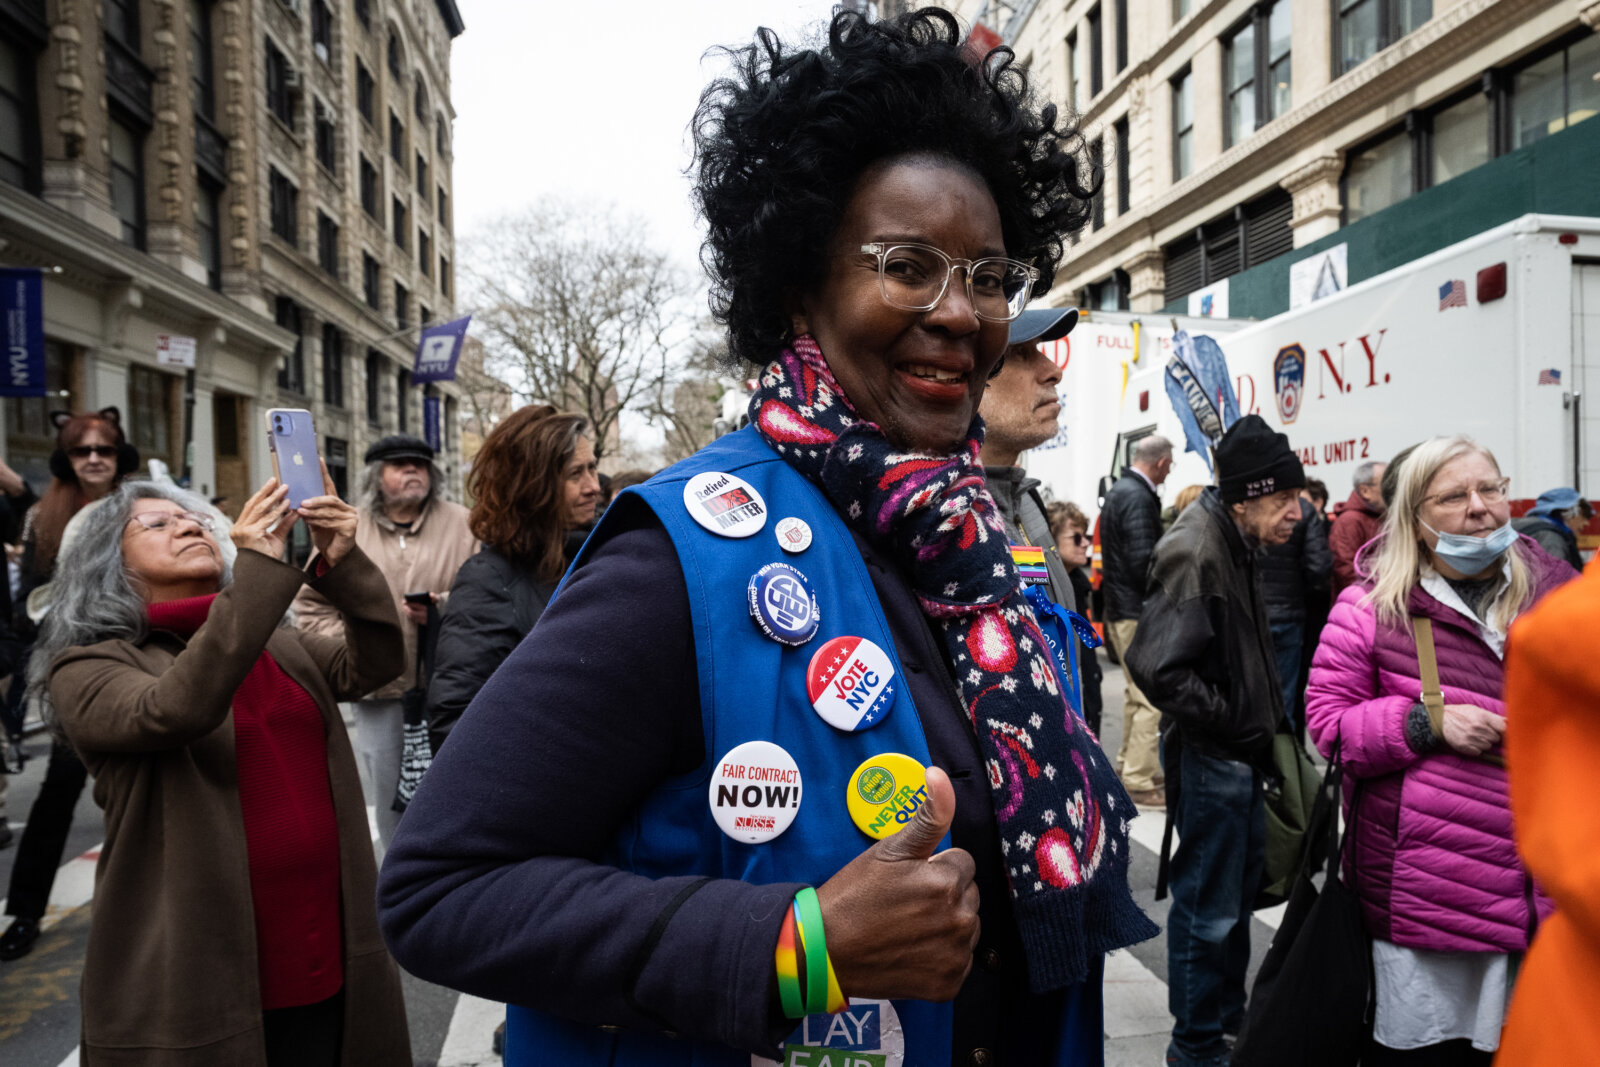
x: 1020, y: 411
x: 419, y: 541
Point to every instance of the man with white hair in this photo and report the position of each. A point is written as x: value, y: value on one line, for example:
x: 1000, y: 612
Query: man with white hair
x: 1130, y: 526
x: 419, y: 542
x: 1356, y: 522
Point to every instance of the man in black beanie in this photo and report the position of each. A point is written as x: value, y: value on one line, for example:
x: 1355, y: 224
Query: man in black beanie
x: 1204, y: 655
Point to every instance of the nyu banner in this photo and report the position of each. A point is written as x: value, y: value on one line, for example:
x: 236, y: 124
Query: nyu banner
x: 438, y: 351
x: 432, y: 424
x: 22, y: 325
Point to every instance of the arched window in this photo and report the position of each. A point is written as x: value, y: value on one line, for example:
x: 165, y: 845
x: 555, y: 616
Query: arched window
x: 441, y: 134
x: 395, y: 56
x: 419, y: 102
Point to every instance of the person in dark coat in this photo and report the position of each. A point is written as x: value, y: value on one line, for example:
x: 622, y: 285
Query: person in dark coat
x: 1291, y: 575
x: 1357, y: 521
x: 532, y: 484
x: 1549, y: 522
x: 1204, y: 653
x: 1130, y: 526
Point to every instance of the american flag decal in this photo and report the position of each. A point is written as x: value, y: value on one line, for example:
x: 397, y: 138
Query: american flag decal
x: 1453, y: 294
x: 1550, y: 377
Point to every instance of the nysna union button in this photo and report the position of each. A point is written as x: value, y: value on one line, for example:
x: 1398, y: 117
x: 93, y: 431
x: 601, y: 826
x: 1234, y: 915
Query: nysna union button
x: 725, y: 504
x: 884, y: 793
x: 851, y: 683
x: 794, y: 535
x: 783, y: 605
x: 755, y: 792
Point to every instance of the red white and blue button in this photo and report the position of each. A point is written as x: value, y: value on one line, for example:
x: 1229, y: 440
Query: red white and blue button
x: 851, y: 683
x: 783, y: 604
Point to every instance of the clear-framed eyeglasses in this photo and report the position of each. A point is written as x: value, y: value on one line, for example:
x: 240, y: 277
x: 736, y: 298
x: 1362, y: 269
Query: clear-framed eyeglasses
x: 914, y: 277
x: 161, y: 520
x: 1491, y: 493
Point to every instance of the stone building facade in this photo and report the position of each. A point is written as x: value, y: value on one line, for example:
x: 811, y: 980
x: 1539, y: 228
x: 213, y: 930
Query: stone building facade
x: 269, y: 177
x: 1233, y: 132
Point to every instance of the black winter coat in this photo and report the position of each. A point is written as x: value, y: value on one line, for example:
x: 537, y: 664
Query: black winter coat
x: 493, y: 604
x: 1203, y: 653
x: 1130, y: 526
x: 1557, y: 540
x: 1302, y: 565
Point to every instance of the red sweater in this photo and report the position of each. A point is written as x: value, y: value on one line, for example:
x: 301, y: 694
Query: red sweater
x: 289, y: 825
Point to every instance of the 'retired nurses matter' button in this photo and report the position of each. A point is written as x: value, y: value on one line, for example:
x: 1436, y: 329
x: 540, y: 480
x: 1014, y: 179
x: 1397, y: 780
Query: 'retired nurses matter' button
x: 755, y: 792
x: 884, y: 792
x: 783, y: 605
x: 851, y: 683
x: 725, y: 504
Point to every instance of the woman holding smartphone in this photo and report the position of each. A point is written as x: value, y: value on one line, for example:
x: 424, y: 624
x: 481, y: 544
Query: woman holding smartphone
x: 235, y: 886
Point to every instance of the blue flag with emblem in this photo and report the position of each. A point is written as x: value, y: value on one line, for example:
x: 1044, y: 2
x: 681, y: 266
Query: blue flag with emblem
x: 1201, y: 391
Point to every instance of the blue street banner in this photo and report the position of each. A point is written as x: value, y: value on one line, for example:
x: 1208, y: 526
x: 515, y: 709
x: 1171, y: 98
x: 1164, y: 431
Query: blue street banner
x: 22, y: 322
x: 437, y: 351
x: 432, y: 424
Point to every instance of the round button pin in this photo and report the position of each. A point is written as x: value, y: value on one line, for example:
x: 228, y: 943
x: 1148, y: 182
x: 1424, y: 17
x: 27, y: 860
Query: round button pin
x: 794, y: 535
x: 851, y: 683
x: 725, y: 504
x: 783, y: 605
x: 755, y: 792
x: 884, y: 793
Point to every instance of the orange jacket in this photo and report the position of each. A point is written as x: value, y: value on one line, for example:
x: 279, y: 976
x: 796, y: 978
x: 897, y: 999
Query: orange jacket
x: 1552, y: 750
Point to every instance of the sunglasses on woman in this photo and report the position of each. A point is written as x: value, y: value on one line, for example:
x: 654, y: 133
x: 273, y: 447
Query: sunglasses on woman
x: 85, y: 451
x: 1077, y: 540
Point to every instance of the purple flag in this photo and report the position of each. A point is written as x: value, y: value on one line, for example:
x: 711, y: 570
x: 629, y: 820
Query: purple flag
x: 22, y: 324
x: 438, y: 350
x: 432, y: 423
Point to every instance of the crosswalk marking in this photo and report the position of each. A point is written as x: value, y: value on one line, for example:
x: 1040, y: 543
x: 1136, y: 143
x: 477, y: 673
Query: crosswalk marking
x: 73, y: 887
x: 470, y: 1039
x: 1146, y: 831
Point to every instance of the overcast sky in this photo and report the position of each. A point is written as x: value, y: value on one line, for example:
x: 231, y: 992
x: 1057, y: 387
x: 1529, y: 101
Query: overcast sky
x: 592, y: 100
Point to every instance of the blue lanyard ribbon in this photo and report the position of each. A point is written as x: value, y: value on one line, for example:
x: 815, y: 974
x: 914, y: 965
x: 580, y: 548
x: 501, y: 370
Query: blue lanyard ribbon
x: 1063, y: 630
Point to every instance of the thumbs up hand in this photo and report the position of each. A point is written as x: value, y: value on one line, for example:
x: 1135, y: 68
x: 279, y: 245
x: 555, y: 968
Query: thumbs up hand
x: 902, y: 919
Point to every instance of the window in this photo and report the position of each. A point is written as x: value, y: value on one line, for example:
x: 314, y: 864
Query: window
x: 1108, y: 294
x: 422, y: 178
x: 402, y: 387
x: 1377, y: 176
x: 122, y: 21
x: 202, y: 72
x: 369, y: 280
x: 441, y: 138
x: 394, y: 54
x: 444, y: 208
x: 1180, y: 10
x: 364, y: 87
x: 292, y: 369
x: 425, y: 315
x: 1256, y: 72
x: 338, y: 458
x: 127, y: 180
x: 397, y: 140
x: 1077, y: 68
x: 1097, y: 203
x: 327, y: 152
x: 399, y: 209
x: 1182, y: 126
x: 444, y: 276
x: 150, y: 410
x: 279, y: 99
x: 207, y: 224
x: 424, y: 254
x: 285, y: 204
x: 322, y: 31
x: 1460, y: 139
x: 19, y: 146
x: 1096, y: 56
x: 364, y: 12
x: 419, y: 101
x: 369, y: 187
x: 1119, y: 130
x: 1119, y: 10
x: 1555, y: 92
x: 1245, y: 237
x: 332, y: 365
x: 374, y: 385
x: 1366, y: 27
x: 402, y: 306
x: 327, y: 244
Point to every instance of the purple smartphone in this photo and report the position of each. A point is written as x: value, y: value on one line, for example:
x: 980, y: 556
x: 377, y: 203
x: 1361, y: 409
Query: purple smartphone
x: 292, y: 439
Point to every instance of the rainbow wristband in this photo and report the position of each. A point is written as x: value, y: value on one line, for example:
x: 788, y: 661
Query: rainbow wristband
x: 823, y: 994
x: 788, y: 969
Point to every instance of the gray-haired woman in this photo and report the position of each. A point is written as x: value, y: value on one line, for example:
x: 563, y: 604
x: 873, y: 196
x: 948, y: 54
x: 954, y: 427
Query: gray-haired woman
x: 236, y: 879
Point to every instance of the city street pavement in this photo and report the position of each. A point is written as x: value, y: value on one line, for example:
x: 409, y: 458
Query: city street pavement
x: 39, y: 993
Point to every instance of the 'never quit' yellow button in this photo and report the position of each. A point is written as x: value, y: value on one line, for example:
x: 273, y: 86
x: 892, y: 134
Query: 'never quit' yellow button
x: 884, y: 793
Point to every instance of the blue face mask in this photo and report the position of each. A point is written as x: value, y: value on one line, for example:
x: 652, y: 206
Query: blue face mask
x: 1471, y: 555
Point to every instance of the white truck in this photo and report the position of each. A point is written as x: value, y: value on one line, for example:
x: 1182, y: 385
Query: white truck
x: 1496, y: 336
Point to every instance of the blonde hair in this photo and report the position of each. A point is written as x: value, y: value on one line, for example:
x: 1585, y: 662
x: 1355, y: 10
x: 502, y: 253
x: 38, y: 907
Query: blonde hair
x: 1395, y: 561
x: 1186, y: 496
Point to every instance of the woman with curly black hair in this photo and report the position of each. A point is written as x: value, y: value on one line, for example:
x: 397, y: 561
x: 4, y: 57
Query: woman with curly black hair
x: 787, y: 767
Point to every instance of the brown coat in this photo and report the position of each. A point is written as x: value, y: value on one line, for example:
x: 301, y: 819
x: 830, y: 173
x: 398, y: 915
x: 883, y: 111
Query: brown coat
x: 422, y: 559
x: 170, y: 979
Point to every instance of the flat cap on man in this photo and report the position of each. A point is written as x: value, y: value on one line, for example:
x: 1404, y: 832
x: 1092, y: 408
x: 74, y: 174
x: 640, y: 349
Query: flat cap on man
x: 399, y: 446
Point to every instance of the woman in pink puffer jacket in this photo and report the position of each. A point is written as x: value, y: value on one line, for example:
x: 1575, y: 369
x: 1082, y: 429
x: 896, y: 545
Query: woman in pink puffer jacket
x: 1446, y: 900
